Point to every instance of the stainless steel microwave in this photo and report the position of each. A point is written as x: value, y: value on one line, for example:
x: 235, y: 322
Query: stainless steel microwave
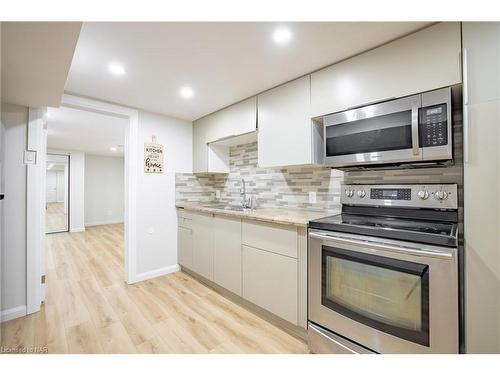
x: 412, y: 129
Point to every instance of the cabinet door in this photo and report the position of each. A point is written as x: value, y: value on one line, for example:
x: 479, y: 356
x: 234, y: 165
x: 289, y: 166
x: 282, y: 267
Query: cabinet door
x: 185, y: 247
x: 481, y: 41
x: 285, y: 127
x: 270, y: 281
x: 208, y: 158
x: 227, y: 253
x: 237, y: 119
x: 422, y: 61
x: 482, y: 78
x: 200, y: 148
x: 481, y: 223
x: 203, y: 245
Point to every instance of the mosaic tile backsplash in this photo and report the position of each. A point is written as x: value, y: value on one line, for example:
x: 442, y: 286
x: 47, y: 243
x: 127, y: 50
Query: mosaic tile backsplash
x: 272, y: 187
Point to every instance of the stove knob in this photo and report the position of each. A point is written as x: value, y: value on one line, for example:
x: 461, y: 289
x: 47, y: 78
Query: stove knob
x: 349, y: 193
x: 423, y: 194
x: 441, y: 195
x: 361, y: 193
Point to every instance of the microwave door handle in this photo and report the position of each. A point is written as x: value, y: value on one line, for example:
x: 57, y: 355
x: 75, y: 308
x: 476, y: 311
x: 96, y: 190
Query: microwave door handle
x: 414, y: 128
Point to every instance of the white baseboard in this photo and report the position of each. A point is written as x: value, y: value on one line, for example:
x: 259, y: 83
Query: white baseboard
x: 155, y: 273
x: 108, y: 222
x: 77, y: 230
x: 15, y: 312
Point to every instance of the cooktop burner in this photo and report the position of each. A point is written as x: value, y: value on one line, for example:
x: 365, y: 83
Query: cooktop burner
x: 432, y: 232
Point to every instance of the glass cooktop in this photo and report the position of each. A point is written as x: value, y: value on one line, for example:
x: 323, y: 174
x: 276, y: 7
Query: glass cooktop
x: 433, y: 232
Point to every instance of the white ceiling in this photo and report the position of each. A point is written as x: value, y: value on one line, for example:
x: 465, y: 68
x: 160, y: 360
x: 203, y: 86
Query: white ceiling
x: 36, y: 57
x: 223, y: 62
x: 93, y: 133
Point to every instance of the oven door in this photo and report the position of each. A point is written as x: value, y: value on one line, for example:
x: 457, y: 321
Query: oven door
x: 376, y: 134
x: 388, y: 296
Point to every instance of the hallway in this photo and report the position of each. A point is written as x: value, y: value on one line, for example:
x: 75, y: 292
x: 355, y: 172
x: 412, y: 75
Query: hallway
x: 89, y: 308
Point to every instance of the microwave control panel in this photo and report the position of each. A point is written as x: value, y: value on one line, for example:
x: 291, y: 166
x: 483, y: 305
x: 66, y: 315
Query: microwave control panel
x: 433, y: 127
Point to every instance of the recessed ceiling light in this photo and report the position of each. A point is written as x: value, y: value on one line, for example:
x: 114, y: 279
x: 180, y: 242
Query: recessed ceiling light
x: 113, y: 148
x: 186, y: 92
x: 116, y: 69
x: 282, y: 36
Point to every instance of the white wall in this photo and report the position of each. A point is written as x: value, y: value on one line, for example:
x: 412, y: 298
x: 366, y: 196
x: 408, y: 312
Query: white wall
x: 15, y: 119
x: 104, y: 190
x: 156, y: 213
x: 76, y: 188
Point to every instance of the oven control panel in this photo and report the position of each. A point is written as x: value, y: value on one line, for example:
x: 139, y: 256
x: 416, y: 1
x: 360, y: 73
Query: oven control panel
x: 433, y: 127
x: 393, y: 194
x: 424, y: 196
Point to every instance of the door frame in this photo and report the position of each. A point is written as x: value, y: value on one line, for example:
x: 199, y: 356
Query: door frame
x: 131, y: 171
x: 35, y: 207
x: 37, y: 134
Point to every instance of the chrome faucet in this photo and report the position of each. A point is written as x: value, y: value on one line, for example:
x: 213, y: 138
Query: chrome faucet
x: 245, y: 202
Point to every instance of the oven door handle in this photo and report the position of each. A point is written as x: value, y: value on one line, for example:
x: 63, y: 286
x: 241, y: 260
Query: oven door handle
x: 384, y: 246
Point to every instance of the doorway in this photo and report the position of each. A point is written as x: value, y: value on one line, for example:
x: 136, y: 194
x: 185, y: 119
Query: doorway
x: 57, y: 193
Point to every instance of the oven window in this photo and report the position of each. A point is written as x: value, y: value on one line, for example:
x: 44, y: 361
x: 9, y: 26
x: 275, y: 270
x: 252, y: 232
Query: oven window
x: 384, y: 293
x: 374, y: 134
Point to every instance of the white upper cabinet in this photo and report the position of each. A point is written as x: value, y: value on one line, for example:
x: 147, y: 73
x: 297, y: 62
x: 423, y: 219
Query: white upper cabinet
x: 210, y: 156
x: 481, y: 61
x: 285, y: 127
x: 200, y: 148
x: 422, y: 61
x: 237, y: 119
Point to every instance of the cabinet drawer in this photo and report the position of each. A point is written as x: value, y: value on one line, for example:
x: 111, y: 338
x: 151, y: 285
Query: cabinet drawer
x: 281, y: 239
x: 184, y: 217
x: 270, y: 281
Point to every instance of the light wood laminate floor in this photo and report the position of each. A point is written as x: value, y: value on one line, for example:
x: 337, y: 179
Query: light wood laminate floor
x: 55, y: 218
x: 89, y: 309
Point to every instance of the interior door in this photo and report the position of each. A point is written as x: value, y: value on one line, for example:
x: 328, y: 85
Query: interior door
x: 51, y: 183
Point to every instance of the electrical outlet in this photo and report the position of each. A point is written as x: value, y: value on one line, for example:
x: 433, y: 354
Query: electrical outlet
x: 217, y: 194
x: 312, y: 197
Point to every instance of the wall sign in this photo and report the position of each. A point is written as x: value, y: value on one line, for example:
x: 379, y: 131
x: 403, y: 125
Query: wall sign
x: 153, y: 157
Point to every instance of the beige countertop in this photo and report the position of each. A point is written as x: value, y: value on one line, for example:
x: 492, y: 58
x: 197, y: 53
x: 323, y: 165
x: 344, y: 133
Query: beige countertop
x: 281, y: 215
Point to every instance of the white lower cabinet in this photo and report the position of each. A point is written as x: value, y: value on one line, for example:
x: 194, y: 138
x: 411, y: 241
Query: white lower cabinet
x: 203, y: 245
x: 270, y: 281
x: 264, y: 263
x: 185, y: 246
x: 227, y: 253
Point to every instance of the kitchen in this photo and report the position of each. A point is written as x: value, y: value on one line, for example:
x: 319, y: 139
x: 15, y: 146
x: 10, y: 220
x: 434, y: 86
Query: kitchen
x: 230, y: 245
x: 342, y: 210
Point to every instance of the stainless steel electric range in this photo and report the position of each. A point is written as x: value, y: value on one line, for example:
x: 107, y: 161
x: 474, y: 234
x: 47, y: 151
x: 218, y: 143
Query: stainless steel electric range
x: 383, y: 274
